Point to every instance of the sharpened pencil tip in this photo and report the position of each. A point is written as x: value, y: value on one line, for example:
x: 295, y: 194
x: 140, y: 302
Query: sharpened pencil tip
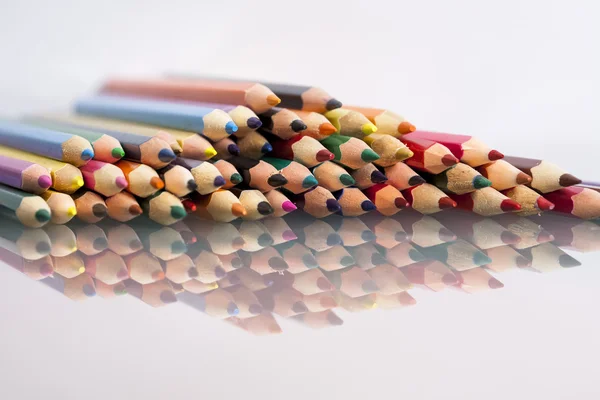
x: 191, y: 185
x: 333, y: 205
x: 231, y: 127
x: 157, y: 183
x: 178, y: 247
x: 449, y: 160
x: 238, y: 210
x: 43, y: 248
x: 46, y: 269
x: 449, y: 279
x: 406, y: 127
x: 347, y: 180
x: 378, y: 177
x: 400, y: 202
x: 273, y: 100
x: 277, y: 180
x: 507, y: 237
x: 89, y: 290
x: 416, y: 180
x: 264, y: 208
x: 298, y: 126
x: 266, y: 148
x: 494, y: 283
x: 189, y: 205
x: 446, y: 202
x: 509, y: 205
x: 494, y: 155
x: 253, y: 123
x: 42, y: 216
x: 166, y: 155
x: 309, y: 182
x: 233, y: 149
x: 368, y: 205
x: 71, y: 211
x: 334, y: 239
x: 523, y: 178
x: 367, y: 129
x: 403, y: 154
x: 288, y: 206
x: 369, y: 155
x: 78, y: 182
x: 219, y: 181
x: 178, y: 212
x: 99, y: 210
x: 81, y: 269
x: 480, y: 259
x: 326, y: 129
x: 135, y: 209
x: 544, y: 204
x: 332, y: 104
x: 479, y: 182
x: 235, y: 178
x: 121, y: 182
x: 210, y: 152
x: 87, y: 154
x: 117, y: 153
x: 567, y: 180
x: 370, y: 287
x: 44, y: 181
x: 566, y: 261
x: 324, y: 155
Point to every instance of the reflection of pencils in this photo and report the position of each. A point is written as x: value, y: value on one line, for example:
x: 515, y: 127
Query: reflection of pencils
x: 103, y: 178
x: 155, y: 294
x: 484, y: 233
x: 427, y: 199
x: 387, y: 199
x: 253, y: 95
x: 61, y: 205
x: 431, y: 274
x: 163, y: 207
x: 318, y: 202
x: 332, y: 177
x: 31, y: 244
x: 548, y: 258
x: 334, y: 258
x: 69, y: 266
x: 428, y: 156
x: 107, y: 267
x: 258, y: 174
x: 459, y: 255
x: 367, y: 176
x: 546, y: 177
x: 122, y: 239
x: 503, y: 175
x: 143, y: 267
x: 181, y: 269
x: 218, y: 237
x: 318, y: 320
x: 477, y: 280
x: 285, y: 302
x: 263, y: 324
x: 229, y: 172
x: 387, y: 122
x: 246, y: 301
x: 194, y: 286
x: 390, y: 150
x: 397, y: 300
x: 91, y: 238
x: 106, y: 148
x: 356, y: 304
x: 217, y: 303
x: 401, y: 255
x: 389, y: 279
x: 109, y: 291
x: 281, y: 122
x: 34, y: 269
x: 320, y: 301
x: 66, y: 178
x: 348, y: 151
x: 29, y: 209
x: 466, y: 148
x: 254, y: 145
x: 352, y: 231
x: 486, y: 202
x: 367, y: 256
x: 401, y: 176
x: 24, y: 175
x: 313, y: 233
x: 221, y: 205
x: 163, y: 242
x: 264, y: 261
x: 123, y: 207
x: 505, y: 258
x: 572, y: 233
x: 280, y: 203
x: 304, y: 149
x: 459, y: 179
x: 531, y: 201
x: 90, y: 206
x: 256, y: 236
x: 317, y: 125
x: 212, y: 123
x: 49, y: 143
x: 530, y: 231
x: 578, y: 201
x: 77, y: 289
x: 298, y: 257
x: 207, y: 176
x: 142, y: 180
x: 350, y: 123
x: 352, y: 281
x: 299, y: 178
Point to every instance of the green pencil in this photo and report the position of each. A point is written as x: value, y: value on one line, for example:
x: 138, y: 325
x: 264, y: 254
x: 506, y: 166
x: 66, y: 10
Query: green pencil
x: 348, y: 151
x: 29, y: 209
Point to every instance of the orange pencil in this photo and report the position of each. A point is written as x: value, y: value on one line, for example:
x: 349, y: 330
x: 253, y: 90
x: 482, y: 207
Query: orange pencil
x: 123, y: 207
x: 142, y: 180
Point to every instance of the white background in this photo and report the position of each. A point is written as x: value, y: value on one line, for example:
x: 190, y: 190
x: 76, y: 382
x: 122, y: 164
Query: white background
x: 522, y: 75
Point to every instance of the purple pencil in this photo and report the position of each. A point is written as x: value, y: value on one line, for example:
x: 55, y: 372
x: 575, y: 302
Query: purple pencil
x: 24, y: 175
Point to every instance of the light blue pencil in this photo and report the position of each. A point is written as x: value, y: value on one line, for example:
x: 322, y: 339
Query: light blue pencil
x: 213, y: 123
x: 49, y: 143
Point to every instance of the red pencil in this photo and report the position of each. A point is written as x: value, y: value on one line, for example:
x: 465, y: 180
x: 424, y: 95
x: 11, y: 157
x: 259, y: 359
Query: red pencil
x: 486, y: 202
x: 428, y: 156
x: 578, y: 201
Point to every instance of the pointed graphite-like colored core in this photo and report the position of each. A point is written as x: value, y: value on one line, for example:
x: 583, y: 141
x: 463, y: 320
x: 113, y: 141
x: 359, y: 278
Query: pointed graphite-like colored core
x: 449, y: 279
x: 264, y: 208
x: 479, y: 259
x: 494, y: 155
x: 121, y: 182
x: 508, y: 237
x: 523, y: 262
x: 347, y: 261
x: 46, y: 269
x: 100, y: 244
x: 544, y: 204
x: 567, y: 180
x: 254, y: 123
x: 509, y: 205
x: 523, y: 178
x: 42, y: 216
x: 178, y: 247
x: 238, y: 210
x: 87, y: 154
x: 334, y: 320
x: 333, y: 205
x: 479, y: 182
x: 324, y: 155
x: 210, y: 152
x: 158, y: 276
x: 400, y: 202
x: 231, y: 127
x: 78, y: 181
x: 43, y: 248
x: 265, y: 239
x: 277, y: 180
x: 332, y: 104
x: 44, y: 181
x: 416, y: 180
x: 157, y: 183
x: 298, y: 126
x: 326, y: 129
x: 233, y: 149
x: 566, y: 261
x: 368, y: 236
x: 191, y: 185
x: 71, y: 211
x: 219, y: 181
x: 406, y: 127
x: 369, y: 155
x: 178, y: 212
x: 89, y: 290
x: 368, y: 205
x: 266, y: 148
x: 168, y: 297
x: 232, y: 309
x: 446, y: 202
x: 135, y: 244
x: 237, y: 244
x: 368, y: 128
x: 273, y: 100
x: 166, y: 155
x: 334, y: 239
x: 288, y: 206
x: 449, y: 160
x: 117, y: 153
x: 378, y: 177
x: 370, y: 287
x: 220, y: 272
x: 378, y: 259
x: 189, y: 205
x: 309, y: 261
x: 494, y: 283
x: 403, y: 154
x: 544, y: 236
x: 347, y: 180
x: 309, y: 182
x: 99, y: 210
x: 235, y: 178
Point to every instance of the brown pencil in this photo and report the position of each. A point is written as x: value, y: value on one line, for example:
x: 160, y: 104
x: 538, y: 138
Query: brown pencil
x: 427, y: 199
x: 226, y: 148
x: 367, y: 176
x: 486, y: 202
x: 221, y: 205
x: 546, y: 177
x: 258, y: 174
x: 387, y: 122
x: 280, y: 203
x: 402, y: 177
x: 503, y: 175
x: 332, y: 177
x: 142, y: 180
x: 254, y: 145
x: 91, y: 207
x: 386, y: 198
x: 389, y: 149
x: 401, y: 255
x: 123, y: 207
x: 253, y: 95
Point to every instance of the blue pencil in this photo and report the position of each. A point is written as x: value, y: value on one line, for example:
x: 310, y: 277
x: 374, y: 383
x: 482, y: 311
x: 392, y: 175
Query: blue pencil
x: 212, y: 123
x: 49, y: 143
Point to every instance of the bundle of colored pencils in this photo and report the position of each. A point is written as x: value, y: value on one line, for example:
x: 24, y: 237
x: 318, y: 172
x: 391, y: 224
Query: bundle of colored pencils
x: 227, y: 149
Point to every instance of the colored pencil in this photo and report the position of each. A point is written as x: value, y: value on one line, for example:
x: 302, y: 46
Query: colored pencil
x: 387, y: 122
x: 178, y: 180
x: 279, y: 230
x: 122, y: 239
x: 318, y: 202
x: 299, y: 178
x: 207, y: 176
x: 213, y: 123
x: 258, y: 174
x: 401, y: 255
x: 264, y: 261
x: 69, y: 266
x: 530, y: 231
x: 548, y: 258
x: 123, y: 207
x: 247, y: 302
x: 460, y: 179
x: 423, y: 230
x: 163, y: 207
x: 531, y: 201
x: 353, y: 202
x: 150, y: 150
x: 281, y: 122
x: 104, y: 178
x: 313, y: 233
x: 144, y: 268
x: 79, y: 288
x: 317, y: 125
x: 220, y: 238
x: 427, y: 199
x: 181, y: 269
x: 284, y: 302
x: 256, y: 204
x: 388, y: 232
x: 389, y: 149
x: 349, y: 151
x: 334, y: 258
x: 352, y: 281
x: 107, y: 267
x: 231, y: 262
x: 580, y: 202
x: 66, y: 178
x: 350, y: 123
x: 222, y: 206
x: 503, y: 175
x: 229, y: 172
x: 106, y: 148
x: 91, y: 238
x: 466, y: 148
x: 303, y: 149
x: 161, y: 241
x: 402, y: 177
x: 367, y: 176
x: 254, y: 145
x: 477, y: 280
x: 24, y: 175
x: 226, y: 148
x: 62, y: 206
x: 486, y: 202
x: 253, y: 95
x: 352, y: 231
x: 157, y: 294
x: 142, y: 180
x: 217, y: 303
x: 332, y: 177
x: 546, y: 177
x: 49, y: 143
x: 109, y: 291
x: 247, y: 278
x: 91, y: 207
x: 256, y: 236
x: 571, y: 233
x: 298, y: 257
x: 387, y: 199
x: 430, y: 274
x: 29, y: 209
x: 485, y: 233
x: 389, y: 279
x: 31, y: 244
x: 367, y: 256
x: 428, y: 156
x: 310, y: 282
x: 33, y: 269
x: 280, y: 203
x: 505, y: 258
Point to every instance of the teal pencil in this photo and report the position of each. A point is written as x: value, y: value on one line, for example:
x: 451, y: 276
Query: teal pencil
x: 29, y: 209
